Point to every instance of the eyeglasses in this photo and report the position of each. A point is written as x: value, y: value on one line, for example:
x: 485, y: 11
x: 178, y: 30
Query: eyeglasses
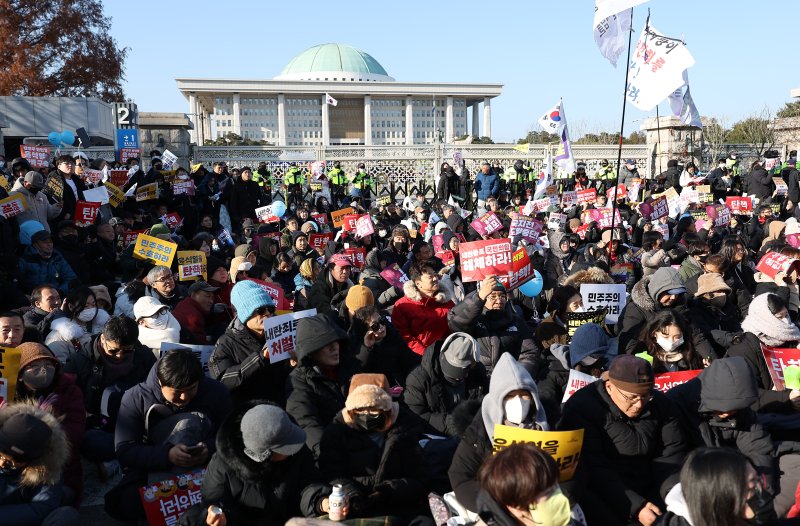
x: 119, y: 352
x: 376, y: 326
x: 634, y: 399
x: 68, y: 163
x: 262, y: 311
x: 497, y: 297
x: 165, y: 279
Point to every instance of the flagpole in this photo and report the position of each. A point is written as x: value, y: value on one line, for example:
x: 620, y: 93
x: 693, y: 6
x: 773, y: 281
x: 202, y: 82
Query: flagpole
x: 621, y: 129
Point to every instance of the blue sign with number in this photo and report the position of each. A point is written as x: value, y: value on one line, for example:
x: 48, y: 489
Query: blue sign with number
x: 127, y: 138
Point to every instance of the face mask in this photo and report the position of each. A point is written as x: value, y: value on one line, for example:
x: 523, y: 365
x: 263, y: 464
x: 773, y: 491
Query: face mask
x: 159, y: 321
x: 382, y: 233
x: 87, y: 315
x: 517, y: 409
x: 401, y: 246
x: 33, y: 190
x: 554, y: 511
x: 718, y: 302
x: 786, y: 320
x: 39, y: 378
x: 580, y: 309
x: 668, y: 345
x: 370, y: 422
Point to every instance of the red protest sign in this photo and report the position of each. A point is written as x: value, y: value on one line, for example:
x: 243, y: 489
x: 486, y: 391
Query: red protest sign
x: 349, y: 222
x: 85, y: 212
x: 130, y: 237
x: 523, y: 270
x: 172, y: 220
x: 777, y: 360
x: 118, y: 177
x: 621, y: 192
x: 739, y: 205
x: 164, y: 502
x: 129, y: 153
x: 322, y: 219
x: 275, y: 292
x: 364, y: 226
x: 438, y: 243
x: 265, y: 214
x: 93, y: 176
x: 447, y: 257
x: 487, y: 224
x: 581, y: 231
x: 319, y: 240
x: 490, y: 257
x: 37, y: 156
x: 793, y: 240
x: 587, y: 196
x: 773, y: 262
x: 666, y: 381
x: 356, y: 256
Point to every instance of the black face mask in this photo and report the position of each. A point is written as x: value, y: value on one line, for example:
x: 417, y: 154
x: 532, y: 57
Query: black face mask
x: 762, y: 505
x: 370, y: 422
x: 34, y: 190
x: 401, y: 246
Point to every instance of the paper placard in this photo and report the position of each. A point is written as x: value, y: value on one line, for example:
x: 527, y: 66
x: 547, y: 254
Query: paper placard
x: 37, y: 156
x: 563, y: 446
x: 322, y: 219
x: 130, y: 237
x: 96, y: 195
x: 357, y: 256
x: 118, y: 177
x: 612, y: 298
x: 587, y: 196
x: 576, y: 319
x: 394, y: 275
x: 183, y: 188
x: 659, y: 208
x: 13, y: 205
x: 349, y: 222
x: 9, y: 372
x: 153, y: 249
x: 203, y: 352
x: 319, y: 240
x: 165, y: 501
x: 54, y: 188
x: 780, y: 186
x: 577, y: 380
x: 666, y: 381
x: 191, y: 265
x: 147, y: 192
x: 773, y: 262
x: 778, y: 359
x: 383, y: 200
x: 338, y: 216
x: 557, y: 221
x: 621, y: 192
x: 569, y: 199
x: 526, y: 228
x: 4, y: 183
x: 265, y: 214
x: 275, y: 292
x: 115, y: 195
x: 739, y: 205
x: 281, y: 332
x: 93, y: 176
x: 487, y: 224
x: 85, y: 212
x: 489, y: 257
x: 523, y: 270
x: 172, y: 220
x: 168, y: 160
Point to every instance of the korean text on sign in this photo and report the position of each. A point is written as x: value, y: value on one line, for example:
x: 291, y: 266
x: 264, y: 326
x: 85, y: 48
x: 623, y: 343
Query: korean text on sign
x: 37, y: 156
x: 191, y: 265
x: 563, y: 446
x: 602, y: 296
x: 666, y: 381
x: 523, y: 270
x: 280, y: 332
x: 777, y: 361
x: 164, y: 502
x: 12, y: 206
x: 487, y: 224
x: 527, y: 228
x: 773, y: 262
x: 484, y: 258
x: 85, y: 213
x: 157, y: 250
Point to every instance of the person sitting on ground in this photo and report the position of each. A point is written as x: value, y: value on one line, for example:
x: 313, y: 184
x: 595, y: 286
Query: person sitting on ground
x: 41, y: 264
x: 421, y: 315
x: 331, y: 281
x: 161, y: 286
x: 553, y: 329
x: 663, y: 339
x: 194, y: 313
x: 44, y: 301
x: 156, y: 323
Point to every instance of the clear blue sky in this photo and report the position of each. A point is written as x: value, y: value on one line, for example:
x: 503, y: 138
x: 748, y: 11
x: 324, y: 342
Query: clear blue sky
x: 540, y: 50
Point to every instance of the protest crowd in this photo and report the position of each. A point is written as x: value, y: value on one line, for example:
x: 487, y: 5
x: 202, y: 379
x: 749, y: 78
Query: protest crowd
x: 230, y: 346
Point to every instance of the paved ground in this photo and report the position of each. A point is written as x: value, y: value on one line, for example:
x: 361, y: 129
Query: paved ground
x: 92, y: 512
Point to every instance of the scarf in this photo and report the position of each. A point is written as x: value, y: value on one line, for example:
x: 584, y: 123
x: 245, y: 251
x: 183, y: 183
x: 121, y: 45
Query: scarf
x: 769, y: 329
x: 153, y: 338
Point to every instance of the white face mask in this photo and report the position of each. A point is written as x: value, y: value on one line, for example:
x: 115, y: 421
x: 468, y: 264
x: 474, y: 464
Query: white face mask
x: 668, y: 345
x: 786, y: 320
x: 382, y: 233
x: 159, y: 321
x: 87, y: 315
x: 580, y: 309
x: 517, y: 409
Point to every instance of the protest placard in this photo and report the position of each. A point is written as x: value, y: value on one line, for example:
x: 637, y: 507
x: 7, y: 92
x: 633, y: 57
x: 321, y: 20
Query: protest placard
x: 4, y: 183
x: 659, y: 207
x: 165, y: 501
x: 612, y: 298
x: 556, y: 221
x: 13, y: 205
x: 581, y: 231
x: 778, y: 359
x: 322, y: 219
x: 577, y: 380
x: 53, y: 188
x: 349, y: 222
x: 551, y: 190
x: 576, y: 319
x: 663, y: 229
x: 147, y: 192
x: 357, y: 256
x: 569, y: 199
x: 622, y: 192
x: 364, y: 226
x: 793, y: 240
x: 183, y: 188
x: 159, y: 251
x: 315, y: 186
x: 719, y: 213
x: 383, y: 200
x: 37, y: 156
x: 489, y: 257
x: 85, y: 212
x: 540, y: 205
x: 394, y: 275
x: 129, y: 153
x: 265, y: 214
x: 780, y: 186
x: 191, y: 265
x: 666, y: 381
x: 739, y: 205
x: 338, y: 216
x: 523, y: 270
x: 172, y: 220
x: 96, y: 195
x: 487, y: 224
x: 319, y: 240
x: 9, y: 372
x: 526, y: 228
x: 168, y: 160
x: 130, y: 237
x: 93, y: 176
x: 448, y: 257
x: 115, y: 195
x: 280, y: 333
x: 203, y: 352
x: 563, y: 446
x: 275, y: 292
x: 118, y: 177
x: 773, y: 262
x: 587, y: 196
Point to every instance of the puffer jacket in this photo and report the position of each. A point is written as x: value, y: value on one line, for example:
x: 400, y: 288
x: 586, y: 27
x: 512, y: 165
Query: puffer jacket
x: 476, y: 444
x: 314, y: 395
x: 323, y: 291
x: 27, y: 496
x: 431, y: 397
x: 497, y: 332
x: 421, y: 320
x: 238, y: 362
x: 748, y: 346
x: 557, y: 263
x: 390, y: 356
x: 36, y: 270
x: 486, y: 185
x: 67, y: 338
x: 626, y: 461
x: 726, y: 385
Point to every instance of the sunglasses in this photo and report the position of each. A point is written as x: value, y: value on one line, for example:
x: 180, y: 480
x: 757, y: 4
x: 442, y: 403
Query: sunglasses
x: 376, y: 326
x: 262, y: 311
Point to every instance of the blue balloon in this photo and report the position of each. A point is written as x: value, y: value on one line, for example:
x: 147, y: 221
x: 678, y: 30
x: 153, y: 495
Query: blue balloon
x: 54, y: 138
x: 533, y: 287
x: 278, y: 208
x: 67, y: 137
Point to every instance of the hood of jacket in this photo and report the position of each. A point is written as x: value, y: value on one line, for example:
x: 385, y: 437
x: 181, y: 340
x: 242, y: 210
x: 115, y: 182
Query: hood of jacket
x: 314, y: 333
x: 591, y: 275
x: 676, y: 503
x: 48, y: 468
x: 454, y: 221
x: 508, y: 375
x: 641, y: 297
x: 65, y: 329
x: 413, y: 293
x: 727, y: 385
x: 555, y: 238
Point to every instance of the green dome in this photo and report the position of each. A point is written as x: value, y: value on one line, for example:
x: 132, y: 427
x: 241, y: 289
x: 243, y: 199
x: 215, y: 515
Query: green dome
x: 334, y: 61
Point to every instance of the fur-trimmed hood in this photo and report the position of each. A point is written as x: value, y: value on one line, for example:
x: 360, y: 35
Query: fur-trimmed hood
x: 554, y: 239
x: 48, y: 468
x: 65, y: 329
x: 413, y: 293
x: 641, y: 297
x: 592, y: 275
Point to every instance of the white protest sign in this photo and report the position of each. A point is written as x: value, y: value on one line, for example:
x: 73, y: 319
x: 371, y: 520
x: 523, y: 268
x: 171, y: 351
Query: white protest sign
x: 576, y: 380
x: 96, y: 195
x: 557, y: 221
x: 569, y: 199
x: 203, y: 352
x: 280, y: 332
x: 168, y: 159
x: 610, y: 297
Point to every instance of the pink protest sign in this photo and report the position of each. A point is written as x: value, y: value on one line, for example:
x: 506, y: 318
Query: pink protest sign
x: 487, y: 224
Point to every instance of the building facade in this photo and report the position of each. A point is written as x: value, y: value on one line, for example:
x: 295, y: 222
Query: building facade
x: 371, y: 108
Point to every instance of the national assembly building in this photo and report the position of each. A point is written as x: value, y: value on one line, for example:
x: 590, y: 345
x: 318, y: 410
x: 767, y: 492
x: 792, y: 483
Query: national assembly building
x: 364, y: 106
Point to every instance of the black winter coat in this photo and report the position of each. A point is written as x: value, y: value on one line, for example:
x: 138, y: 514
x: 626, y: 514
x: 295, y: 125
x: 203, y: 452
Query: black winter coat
x: 626, y: 461
x: 426, y: 391
x: 323, y: 291
x: 792, y: 179
x: 497, y: 332
x: 244, y: 198
x: 748, y: 346
x: 390, y: 356
x: 719, y: 326
x: 742, y: 282
x: 238, y: 362
x: 552, y: 386
x: 760, y: 183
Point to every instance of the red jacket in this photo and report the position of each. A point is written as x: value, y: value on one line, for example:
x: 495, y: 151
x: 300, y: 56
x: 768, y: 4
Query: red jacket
x: 419, y: 320
x: 192, y: 319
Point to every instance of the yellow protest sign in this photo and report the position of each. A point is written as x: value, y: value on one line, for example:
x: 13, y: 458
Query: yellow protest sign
x: 115, y: 195
x: 4, y: 184
x: 563, y: 446
x: 9, y: 371
x: 157, y: 250
x: 13, y: 205
x: 147, y: 192
x: 338, y: 216
x: 191, y: 265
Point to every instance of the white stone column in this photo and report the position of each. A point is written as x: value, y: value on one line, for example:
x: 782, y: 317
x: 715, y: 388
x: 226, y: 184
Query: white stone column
x: 281, y: 119
x: 206, y: 123
x: 237, y: 121
x: 326, y: 123
x: 193, y: 114
x: 367, y: 120
x: 487, y: 117
x: 448, y: 122
x: 476, y: 129
x: 409, y: 120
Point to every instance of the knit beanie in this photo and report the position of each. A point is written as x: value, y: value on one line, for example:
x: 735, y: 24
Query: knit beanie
x: 247, y: 297
x: 27, y: 229
x: 589, y: 343
x: 307, y: 268
x: 711, y: 282
x: 159, y: 229
x: 30, y: 352
x: 727, y: 385
x: 459, y: 352
x: 358, y: 296
x: 267, y: 429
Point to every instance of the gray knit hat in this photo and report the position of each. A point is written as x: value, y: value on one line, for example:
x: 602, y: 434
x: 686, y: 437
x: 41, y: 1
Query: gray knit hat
x: 267, y: 429
x: 459, y: 352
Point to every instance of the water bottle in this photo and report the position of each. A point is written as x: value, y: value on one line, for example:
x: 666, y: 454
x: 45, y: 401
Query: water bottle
x: 336, y: 504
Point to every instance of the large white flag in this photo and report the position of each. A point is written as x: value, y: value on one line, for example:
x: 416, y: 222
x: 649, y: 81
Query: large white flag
x: 610, y: 35
x: 682, y: 105
x: 606, y: 8
x: 330, y: 100
x: 564, y: 157
x: 656, y: 68
x: 545, y: 177
x: 554, y: 120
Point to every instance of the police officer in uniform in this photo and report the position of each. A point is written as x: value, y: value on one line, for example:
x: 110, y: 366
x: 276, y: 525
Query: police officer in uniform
x: 338, y: 180
x: 293, y: 181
